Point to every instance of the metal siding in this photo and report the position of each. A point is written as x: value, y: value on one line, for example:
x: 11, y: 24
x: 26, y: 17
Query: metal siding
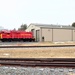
x: 33, y: 27
x: 32, y: 30
x: 62, y: 35
x: 55, y: 34
x: 47, y: 34
x: 73, y: 35
x: 40, y: 33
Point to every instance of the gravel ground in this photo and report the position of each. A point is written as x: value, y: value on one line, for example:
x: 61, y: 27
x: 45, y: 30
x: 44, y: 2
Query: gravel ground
x: 6, y: 70
x: 36, y: 43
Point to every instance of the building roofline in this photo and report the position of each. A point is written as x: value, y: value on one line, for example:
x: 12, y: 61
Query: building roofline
x: 52, y: 26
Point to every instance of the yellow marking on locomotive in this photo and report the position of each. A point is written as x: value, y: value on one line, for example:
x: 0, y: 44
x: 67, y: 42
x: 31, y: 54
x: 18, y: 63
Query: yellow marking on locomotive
x: 0, y: 36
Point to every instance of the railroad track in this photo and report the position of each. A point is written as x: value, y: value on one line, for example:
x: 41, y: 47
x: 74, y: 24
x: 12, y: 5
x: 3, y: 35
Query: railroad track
x: 36, y: 46
x: 41, y: 62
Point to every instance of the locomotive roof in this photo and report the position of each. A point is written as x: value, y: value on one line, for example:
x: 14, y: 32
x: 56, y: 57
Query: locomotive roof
x: 5, y: 31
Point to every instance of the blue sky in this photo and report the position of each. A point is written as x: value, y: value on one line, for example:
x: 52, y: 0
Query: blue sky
x: 13, y: 13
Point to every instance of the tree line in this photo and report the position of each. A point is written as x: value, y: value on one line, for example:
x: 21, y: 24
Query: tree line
x: 73, y: 24
x: 23, y: 27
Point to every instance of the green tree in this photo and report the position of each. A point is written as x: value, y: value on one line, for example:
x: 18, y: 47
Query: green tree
x: 73, y: 24
x: 23, y: 27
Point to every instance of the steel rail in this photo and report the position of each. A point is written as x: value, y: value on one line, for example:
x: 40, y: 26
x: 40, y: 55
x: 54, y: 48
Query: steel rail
x: 36, y: 46
x: 42, y: 62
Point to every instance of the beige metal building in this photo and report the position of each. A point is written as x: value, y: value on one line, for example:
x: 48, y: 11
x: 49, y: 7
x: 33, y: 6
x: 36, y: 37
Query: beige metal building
x: 45, y: 32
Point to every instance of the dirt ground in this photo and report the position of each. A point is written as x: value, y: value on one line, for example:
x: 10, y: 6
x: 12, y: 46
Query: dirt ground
x: 46, y: 43
x: 38, y: 53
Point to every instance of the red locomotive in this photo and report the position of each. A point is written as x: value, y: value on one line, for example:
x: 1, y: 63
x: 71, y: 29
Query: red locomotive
x: 13, y: 35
